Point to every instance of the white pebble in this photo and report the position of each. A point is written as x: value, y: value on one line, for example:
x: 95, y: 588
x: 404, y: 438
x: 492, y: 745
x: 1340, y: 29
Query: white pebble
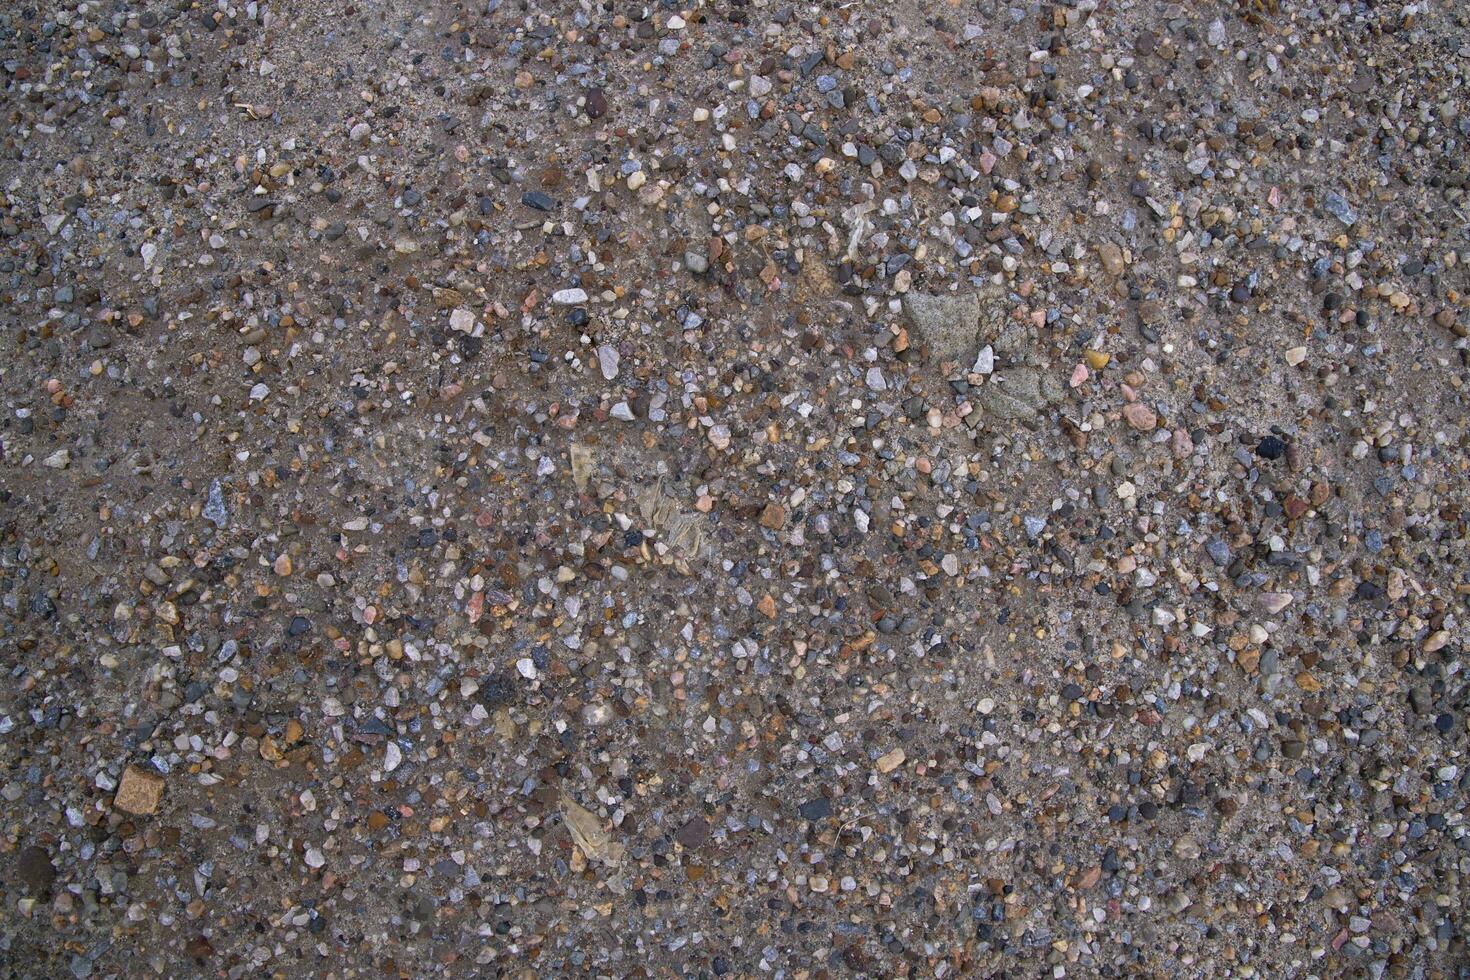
x: 607, y: 360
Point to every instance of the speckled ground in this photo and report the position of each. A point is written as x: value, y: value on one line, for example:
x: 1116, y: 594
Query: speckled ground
x: 757, y: 489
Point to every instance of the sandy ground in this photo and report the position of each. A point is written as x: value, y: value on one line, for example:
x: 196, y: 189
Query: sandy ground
x: 744, y: 490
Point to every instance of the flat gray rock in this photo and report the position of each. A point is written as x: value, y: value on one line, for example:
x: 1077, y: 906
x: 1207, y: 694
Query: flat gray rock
x: 949, y: 325
x: 1019, y: 393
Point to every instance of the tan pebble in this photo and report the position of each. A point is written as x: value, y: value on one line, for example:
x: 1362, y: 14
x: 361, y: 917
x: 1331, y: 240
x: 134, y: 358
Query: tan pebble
x: 139, y: 791
x: 890, y: 761
x: 269, y: 750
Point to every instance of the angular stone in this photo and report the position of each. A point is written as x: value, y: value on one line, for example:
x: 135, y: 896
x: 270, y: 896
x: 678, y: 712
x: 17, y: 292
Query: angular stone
x: 462, y: 320
x: 588, y: 833
x: 1339, y: 208
x: 890, y: 761
x: 1271, y: 603
x: 693, y: 834
x: 817, y: 808
x: 139, y: 791
x: 608, y: 361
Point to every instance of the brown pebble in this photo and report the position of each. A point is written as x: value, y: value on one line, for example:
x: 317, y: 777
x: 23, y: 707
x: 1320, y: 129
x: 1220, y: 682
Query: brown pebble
x: 693, y: 834
x: 596, y: 104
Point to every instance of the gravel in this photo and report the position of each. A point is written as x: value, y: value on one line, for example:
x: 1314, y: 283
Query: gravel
x: 737, y: 490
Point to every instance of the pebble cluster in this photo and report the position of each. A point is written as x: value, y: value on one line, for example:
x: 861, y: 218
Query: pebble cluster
x: 570, y: 488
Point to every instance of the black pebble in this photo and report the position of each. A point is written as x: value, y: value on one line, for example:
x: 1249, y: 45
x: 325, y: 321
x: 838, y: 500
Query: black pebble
x: 497, y: 689
x: 33, y: 870
x: 816, y: 809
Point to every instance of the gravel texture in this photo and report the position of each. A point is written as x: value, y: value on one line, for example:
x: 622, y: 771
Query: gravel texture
x: 752, y: 489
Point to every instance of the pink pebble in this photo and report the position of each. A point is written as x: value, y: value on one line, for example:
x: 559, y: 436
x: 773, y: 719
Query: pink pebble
x: 1140, y: 416
x: 1181, y: 443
